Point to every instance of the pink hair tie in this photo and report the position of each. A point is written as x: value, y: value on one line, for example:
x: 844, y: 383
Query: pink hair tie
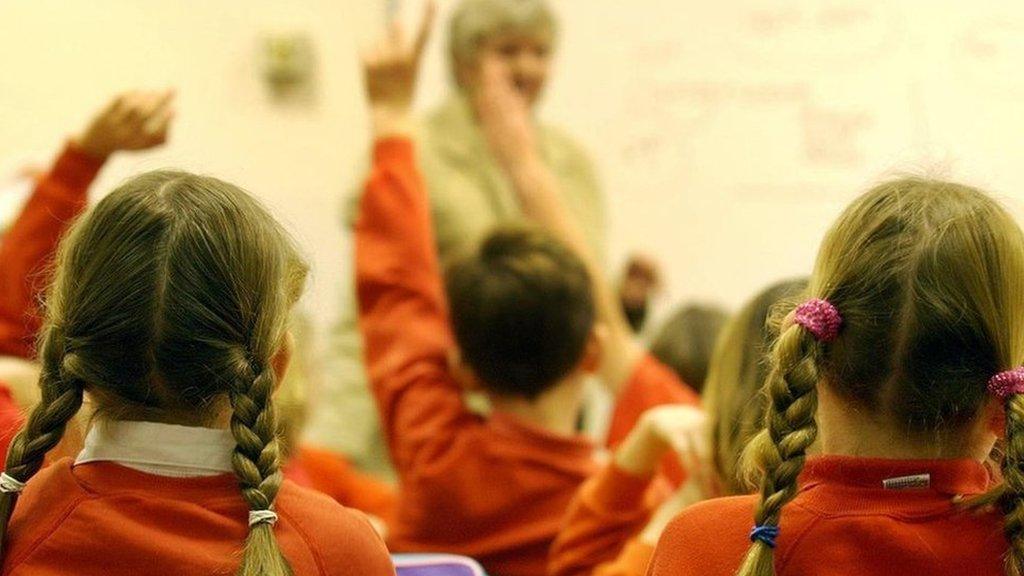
x: 1007, y: 383
x: 820, y: 318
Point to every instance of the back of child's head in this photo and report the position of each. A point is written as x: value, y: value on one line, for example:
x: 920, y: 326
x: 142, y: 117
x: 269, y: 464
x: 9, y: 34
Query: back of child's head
x: 739, y: 365
x: 522, y: 311
x: 927, y: 278
x: 170, y: 302
x: 686, y: 340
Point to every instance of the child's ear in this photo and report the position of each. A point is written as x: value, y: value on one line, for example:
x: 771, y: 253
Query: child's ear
x: 462, y: 372
x: 282, y: 359
x: 593, y: 351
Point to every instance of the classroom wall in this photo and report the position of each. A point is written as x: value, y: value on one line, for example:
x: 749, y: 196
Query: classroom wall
x: 728, y: 135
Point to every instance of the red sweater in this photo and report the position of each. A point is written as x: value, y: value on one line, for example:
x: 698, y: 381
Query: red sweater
x: 103, y: 519
x: 600, y: 536
x: 843, y: 521
x: 491, y: 489
x: 331, y: 474
x: 28, y: 246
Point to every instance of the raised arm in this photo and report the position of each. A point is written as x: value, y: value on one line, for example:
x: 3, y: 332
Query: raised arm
x: 402, y: 310
x: 615, y: 519
x: 132, y: 121
x: 507, y: 125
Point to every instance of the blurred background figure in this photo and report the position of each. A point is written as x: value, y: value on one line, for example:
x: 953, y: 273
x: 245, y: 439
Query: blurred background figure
x: 469, y: 191
x: 686, y: 340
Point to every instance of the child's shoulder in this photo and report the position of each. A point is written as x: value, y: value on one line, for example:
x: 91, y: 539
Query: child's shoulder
x: 717, y: 512
x: 341, y: 537
x: 708, y: 538
x: 49, y: 497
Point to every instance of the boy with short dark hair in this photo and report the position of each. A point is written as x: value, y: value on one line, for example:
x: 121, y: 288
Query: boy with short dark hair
x: 519, y: 322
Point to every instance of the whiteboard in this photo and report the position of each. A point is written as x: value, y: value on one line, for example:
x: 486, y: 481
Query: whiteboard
x: 728, y: 135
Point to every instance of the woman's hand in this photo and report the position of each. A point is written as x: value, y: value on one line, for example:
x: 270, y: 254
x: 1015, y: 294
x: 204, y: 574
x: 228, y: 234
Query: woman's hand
x: 504, y: 116
x: 390, y: 71
x: 131, y: 121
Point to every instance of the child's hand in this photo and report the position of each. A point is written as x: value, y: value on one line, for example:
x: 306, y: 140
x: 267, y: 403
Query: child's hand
x: 504, y: 115
x: 131, y: 121
x: 661, y: 429
x: 390, y: 70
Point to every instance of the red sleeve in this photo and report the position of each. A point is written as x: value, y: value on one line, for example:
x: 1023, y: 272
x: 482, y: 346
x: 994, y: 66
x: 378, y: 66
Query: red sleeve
x: 29, y: 245
x: 651, y: 384
x: 403, y: 316
x: 603, y: 520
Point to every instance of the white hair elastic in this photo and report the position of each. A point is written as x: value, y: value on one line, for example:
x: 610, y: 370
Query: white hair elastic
x: 262, y: 517
x: 10, y: 484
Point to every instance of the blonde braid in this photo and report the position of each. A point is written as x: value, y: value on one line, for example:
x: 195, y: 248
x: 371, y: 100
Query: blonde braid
x: 256, y: 461
x: 1012, y: 495
x: 782, y: 447
x: 62, y: 391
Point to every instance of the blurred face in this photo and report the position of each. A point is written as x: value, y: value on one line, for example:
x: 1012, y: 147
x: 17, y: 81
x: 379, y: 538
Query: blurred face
x: 528, y: 57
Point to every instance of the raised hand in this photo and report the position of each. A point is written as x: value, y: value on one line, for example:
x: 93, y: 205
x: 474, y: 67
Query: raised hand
x: 504, y: 115
x: 662, y: 429
x: 136, y: 120
x: 390, y: 71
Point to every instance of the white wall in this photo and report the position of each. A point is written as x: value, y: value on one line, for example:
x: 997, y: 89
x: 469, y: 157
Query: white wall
x: 729, y: 134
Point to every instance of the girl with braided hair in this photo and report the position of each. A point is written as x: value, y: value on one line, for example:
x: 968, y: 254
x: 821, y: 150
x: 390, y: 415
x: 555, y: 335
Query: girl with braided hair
x: 904, y: 365
x: 169, y: 311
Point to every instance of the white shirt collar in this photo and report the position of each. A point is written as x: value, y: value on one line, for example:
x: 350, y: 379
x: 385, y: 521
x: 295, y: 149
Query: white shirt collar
x: 161, y: 449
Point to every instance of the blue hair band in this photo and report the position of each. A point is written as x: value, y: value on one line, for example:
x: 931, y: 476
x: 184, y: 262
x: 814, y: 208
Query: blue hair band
x: 766, y: 534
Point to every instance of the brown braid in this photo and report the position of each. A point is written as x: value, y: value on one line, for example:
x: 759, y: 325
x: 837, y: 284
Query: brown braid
x: 61, y: 399
x: 1012, y: 497
x: 790, y: 431
x: 256, y: 461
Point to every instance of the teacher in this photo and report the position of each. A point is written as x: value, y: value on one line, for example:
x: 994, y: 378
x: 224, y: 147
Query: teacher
x: 469, y: 192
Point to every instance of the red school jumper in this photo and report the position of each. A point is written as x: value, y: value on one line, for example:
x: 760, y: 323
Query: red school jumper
x: 104, y: 519
x: 494, y: 489
x: 845, y: 522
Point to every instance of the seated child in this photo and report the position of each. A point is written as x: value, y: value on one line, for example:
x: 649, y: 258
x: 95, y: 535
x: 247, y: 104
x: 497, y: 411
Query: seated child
x: 169, y: 310
x: 904, y: 367
x: 522, y: 310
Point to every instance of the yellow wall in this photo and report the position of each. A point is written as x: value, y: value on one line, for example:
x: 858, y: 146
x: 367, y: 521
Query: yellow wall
x: 729, y: 134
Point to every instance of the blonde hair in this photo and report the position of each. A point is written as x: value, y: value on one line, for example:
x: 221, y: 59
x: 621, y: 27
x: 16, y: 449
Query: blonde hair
x: 170, y: 301
x: 293, y: 393
x: 929, y: 279
x: 732, y: 400
x: 474, y: 21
